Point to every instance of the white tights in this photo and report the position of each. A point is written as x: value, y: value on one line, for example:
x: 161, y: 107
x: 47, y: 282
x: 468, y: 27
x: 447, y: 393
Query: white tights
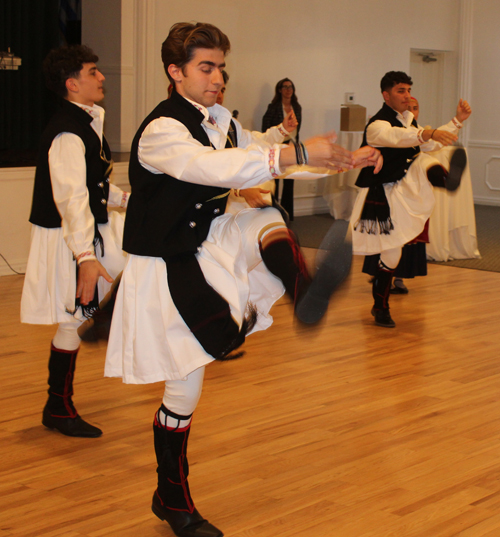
x: 390, y: 258
x: 254, y: 226
x: 66, y: 337
x: 181, y: 397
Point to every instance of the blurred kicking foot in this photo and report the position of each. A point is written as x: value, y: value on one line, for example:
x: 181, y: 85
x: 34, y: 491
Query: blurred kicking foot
x: 331, y: 272
x: 450, y: 179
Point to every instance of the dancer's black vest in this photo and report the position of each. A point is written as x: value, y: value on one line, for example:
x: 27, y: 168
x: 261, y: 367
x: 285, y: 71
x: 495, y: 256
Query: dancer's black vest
x: 376, y: 215
x: 73, y: 119
x: 396, y: 160
x: 169, y: 218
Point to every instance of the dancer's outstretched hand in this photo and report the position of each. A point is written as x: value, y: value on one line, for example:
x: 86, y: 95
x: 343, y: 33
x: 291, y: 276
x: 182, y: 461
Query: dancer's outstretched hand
x: 290, y: 122
x: 323, y: 152
x: 368, y: 156
x: 463, y: 110
x: 444, y: 137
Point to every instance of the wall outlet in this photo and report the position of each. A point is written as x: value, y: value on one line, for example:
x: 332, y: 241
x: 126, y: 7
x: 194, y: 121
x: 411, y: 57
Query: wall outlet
x: 312, y: 188
x: 350, y: 98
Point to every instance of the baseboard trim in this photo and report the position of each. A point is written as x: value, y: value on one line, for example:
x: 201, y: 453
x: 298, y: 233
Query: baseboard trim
x: 310, y: 205
x: 479, y: 200
x: 303, y: 207
x: 19, y: 265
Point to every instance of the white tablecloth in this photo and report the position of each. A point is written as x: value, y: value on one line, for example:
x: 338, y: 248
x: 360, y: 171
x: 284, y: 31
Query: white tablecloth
x: 340, y: 191
x: 452, y: 226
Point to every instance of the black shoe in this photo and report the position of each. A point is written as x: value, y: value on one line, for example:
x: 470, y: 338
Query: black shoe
x: 383, y: 318
x: 184, y: 524
x: 310, y: 307
x: 457, y: 166
x: 96, y: 328
x: 399, y: 288
x: 331, y: 272
x: 70, y: 426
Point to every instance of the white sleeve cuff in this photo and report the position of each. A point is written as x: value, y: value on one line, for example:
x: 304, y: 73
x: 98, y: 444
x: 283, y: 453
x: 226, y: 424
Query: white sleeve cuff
x: 85, y: 256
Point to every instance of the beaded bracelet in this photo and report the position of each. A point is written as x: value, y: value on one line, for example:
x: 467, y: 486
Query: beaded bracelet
x: 273, y: 169
x: 124, y: 201
x: 282, y: 130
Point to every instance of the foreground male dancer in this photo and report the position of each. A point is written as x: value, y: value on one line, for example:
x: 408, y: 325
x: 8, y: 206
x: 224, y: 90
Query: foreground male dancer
x: 392, y: 207
x: 75, y: 245
x: 197, y: 279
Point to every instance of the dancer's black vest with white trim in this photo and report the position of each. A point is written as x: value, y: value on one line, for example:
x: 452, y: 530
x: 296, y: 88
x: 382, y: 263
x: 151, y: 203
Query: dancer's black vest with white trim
x: 396, y: 159
x: 376, y: 214
x: 73, y: 119
x: 169, y: 218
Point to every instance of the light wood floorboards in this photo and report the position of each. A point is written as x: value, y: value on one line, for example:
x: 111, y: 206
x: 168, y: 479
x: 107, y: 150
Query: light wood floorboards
x: 343, y: 430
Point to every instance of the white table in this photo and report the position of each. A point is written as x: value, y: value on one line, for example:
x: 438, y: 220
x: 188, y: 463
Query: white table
x: 452, y: 226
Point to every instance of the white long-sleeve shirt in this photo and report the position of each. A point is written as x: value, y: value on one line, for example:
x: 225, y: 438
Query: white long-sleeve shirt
x: 166, y: 146
x: 381, y: 133
x: 69, y: 186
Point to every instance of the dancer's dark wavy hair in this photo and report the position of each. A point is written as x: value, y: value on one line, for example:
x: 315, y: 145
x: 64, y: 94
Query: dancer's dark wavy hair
x: 63, y: 63
x: 185, y: 37
x: 393, y: 78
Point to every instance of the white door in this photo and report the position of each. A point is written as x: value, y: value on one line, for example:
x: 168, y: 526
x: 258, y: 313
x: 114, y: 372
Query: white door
x: 427, y: 72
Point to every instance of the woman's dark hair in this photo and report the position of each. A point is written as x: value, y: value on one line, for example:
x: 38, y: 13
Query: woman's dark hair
x: 184, y: 38
x: 393, y: 78
x: 63, y: 63
x: 277, y: 92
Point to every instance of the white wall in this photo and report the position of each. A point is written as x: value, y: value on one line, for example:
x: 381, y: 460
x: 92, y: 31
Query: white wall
x: 328, y: 47
x: 109, y: 29
x: 484, y: 130
x: 104, y: 37
x: 16, y: 190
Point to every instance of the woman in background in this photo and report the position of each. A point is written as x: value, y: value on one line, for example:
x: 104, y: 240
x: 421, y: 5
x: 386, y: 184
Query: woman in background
x: 284, y: 102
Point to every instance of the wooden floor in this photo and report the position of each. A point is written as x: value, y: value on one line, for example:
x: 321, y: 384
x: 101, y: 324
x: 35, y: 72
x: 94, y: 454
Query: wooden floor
x: 344, y: 430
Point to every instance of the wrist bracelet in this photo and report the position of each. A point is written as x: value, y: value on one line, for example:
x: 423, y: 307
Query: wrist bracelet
x: 305, y: 155
x: 282, y: 130
x: 124, y: 201
x: 432, y: 133
x: 273, y: 161
x: 298, y: 153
